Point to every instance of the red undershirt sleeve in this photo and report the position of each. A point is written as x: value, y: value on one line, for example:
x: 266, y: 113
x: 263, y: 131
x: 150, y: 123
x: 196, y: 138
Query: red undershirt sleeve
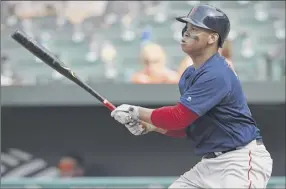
x: 173, y: 117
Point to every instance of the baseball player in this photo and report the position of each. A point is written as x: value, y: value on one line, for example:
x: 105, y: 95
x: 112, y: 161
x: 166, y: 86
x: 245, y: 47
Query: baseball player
x: 212, y: 112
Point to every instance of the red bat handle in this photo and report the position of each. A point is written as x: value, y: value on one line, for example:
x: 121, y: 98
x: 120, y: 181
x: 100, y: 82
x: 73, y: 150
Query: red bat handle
x: 108, y: 105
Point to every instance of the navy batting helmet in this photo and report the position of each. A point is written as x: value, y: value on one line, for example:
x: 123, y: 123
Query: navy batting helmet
x: 208, y: 17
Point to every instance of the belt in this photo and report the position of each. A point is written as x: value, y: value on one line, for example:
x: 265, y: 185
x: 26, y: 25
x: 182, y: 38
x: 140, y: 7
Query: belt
x: 216, y: 154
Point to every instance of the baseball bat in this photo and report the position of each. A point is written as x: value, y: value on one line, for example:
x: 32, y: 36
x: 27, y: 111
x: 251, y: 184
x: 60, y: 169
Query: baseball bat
x: 47, y: 57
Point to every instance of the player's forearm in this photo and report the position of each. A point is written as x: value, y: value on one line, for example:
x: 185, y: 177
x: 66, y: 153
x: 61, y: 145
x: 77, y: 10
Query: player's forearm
x: 145, y: 114
x: 171, y: 133
x: 168, y: 117
x: 161, y: 131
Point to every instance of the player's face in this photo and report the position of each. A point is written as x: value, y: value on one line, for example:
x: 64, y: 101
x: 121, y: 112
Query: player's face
x: 196, y: 39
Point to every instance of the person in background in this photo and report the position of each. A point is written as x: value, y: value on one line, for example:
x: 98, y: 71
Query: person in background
x: 186, y: 62
x: 71, y: 165
x: 226, y: 52
x: 8, y: 76
x: 155, y: 71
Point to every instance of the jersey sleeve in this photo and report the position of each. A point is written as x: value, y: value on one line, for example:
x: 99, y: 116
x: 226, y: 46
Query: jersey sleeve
x: 207, y: 91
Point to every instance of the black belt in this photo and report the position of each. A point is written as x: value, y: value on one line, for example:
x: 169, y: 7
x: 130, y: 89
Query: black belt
x: 216, y: 154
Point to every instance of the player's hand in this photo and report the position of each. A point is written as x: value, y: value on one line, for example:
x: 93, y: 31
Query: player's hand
x: 126, y: 114
x: 147, y: 127
x: 135, y: 128
x: 140, y: 128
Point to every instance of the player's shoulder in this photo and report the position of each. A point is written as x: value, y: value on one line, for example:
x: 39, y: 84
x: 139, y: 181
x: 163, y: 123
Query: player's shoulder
x: 218, y: 67
x: 189, y: 70
x: 215, y: 72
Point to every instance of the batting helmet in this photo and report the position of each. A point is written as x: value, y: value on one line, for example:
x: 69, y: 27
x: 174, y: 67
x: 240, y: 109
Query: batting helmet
x: 208, y: 17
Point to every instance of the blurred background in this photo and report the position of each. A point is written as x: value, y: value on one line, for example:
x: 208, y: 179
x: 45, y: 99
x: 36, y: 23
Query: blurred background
x: 129, y: 51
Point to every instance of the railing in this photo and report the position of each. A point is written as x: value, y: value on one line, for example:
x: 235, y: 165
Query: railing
x: 256, y: 92
x: 107, y: 182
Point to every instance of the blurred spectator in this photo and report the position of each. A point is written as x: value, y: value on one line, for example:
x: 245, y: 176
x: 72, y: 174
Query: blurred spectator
x: 186, y: 62
x: 108, y: 54
x: 71, y: 165
x: 226, y: 51
x: 30, y: 9
x: 8, y: 77
x: 155, y: 71
x: 77, y: 11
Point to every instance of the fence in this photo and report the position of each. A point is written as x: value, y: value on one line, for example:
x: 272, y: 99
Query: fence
x: 108, y: 182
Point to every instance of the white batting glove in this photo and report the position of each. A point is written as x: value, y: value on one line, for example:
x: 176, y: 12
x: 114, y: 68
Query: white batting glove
x: 135, y: 128
x: 139, y: 128
x: 126, y: 114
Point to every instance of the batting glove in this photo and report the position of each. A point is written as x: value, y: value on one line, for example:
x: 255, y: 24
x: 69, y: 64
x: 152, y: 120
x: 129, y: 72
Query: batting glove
x: 126, y: 114
x: 135, y: 128
x: 140, y: 128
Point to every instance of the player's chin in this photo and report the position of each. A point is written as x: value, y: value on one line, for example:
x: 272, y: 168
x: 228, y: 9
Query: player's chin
x: 186, y: 47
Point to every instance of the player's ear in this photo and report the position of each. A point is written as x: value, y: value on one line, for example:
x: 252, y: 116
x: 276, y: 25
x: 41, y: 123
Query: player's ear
x: 213, y: 37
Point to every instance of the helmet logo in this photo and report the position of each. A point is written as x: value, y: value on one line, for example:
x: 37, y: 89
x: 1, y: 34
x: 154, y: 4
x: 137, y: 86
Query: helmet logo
x: 193, y: 10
